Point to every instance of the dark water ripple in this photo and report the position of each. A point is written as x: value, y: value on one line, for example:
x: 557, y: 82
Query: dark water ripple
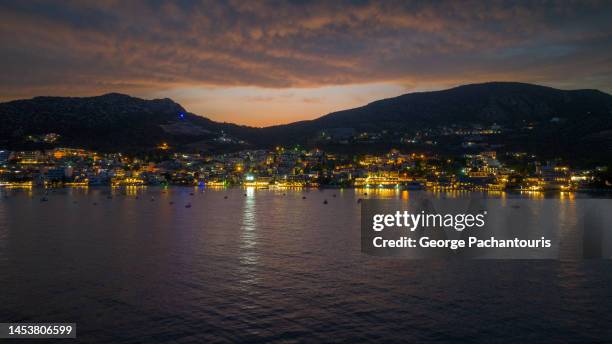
x: 268, y: 267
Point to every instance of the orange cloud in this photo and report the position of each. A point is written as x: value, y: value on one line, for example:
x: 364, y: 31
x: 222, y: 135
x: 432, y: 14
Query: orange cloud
x: 77, y: 48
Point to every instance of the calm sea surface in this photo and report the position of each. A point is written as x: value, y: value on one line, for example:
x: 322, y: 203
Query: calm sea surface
x: 138, y: 266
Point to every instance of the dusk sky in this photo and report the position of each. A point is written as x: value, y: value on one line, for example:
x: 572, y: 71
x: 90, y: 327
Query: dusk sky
x: 261, y: 63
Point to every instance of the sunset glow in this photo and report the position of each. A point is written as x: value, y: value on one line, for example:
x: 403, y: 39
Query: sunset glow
x: 263, y: 63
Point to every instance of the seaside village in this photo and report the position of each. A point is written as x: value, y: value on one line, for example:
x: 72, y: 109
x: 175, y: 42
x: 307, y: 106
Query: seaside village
x: 291, y: 168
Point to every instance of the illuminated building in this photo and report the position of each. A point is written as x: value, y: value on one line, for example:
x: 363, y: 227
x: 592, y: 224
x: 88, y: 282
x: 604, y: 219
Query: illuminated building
x: 216, y: 183
x: 381, y: 179
x: 258, y: 182
x: 554, y: 177
x: 29, y: 157
x: 16, y: 185
x: 129, y: 181
x: 59, y: 153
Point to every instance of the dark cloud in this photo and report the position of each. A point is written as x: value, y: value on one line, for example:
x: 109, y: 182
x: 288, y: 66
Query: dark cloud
x: 76, y: 47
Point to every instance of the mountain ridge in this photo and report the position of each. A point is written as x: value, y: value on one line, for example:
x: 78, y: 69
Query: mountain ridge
x: 115, y: 121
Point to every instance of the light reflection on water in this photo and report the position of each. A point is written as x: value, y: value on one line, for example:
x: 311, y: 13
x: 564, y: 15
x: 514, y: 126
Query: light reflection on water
x: 271, y: 266
x: 248, y: 237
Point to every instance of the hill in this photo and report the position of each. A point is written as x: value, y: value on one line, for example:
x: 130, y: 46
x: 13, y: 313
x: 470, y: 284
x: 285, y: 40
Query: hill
x: 111, y: 122
x: 532, y: 118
